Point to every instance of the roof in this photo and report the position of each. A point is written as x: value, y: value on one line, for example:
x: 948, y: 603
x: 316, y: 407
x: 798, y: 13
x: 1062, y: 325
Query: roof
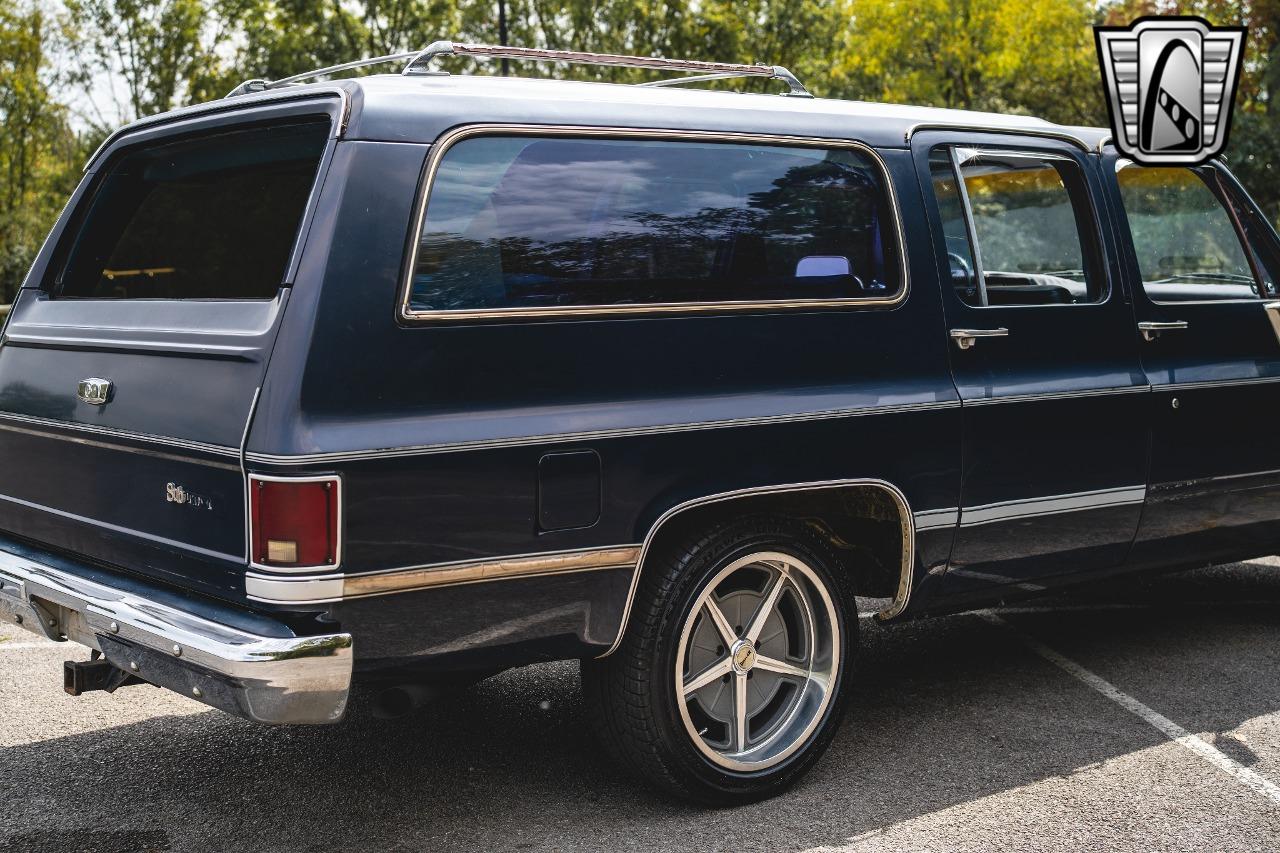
x: 418, y: 108
x: 394, y: 107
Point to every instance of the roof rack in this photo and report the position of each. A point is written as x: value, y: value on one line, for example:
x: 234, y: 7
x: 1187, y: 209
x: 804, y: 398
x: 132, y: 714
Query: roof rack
x: 417, y: 59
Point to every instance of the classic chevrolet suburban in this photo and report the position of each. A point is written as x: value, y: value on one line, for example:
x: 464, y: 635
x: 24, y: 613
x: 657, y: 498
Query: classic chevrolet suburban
x: 403, y: 380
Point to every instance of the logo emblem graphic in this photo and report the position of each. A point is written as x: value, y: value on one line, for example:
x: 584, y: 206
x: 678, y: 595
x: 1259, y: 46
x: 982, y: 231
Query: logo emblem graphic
x: 95, y: 392
x: 1170, y: 83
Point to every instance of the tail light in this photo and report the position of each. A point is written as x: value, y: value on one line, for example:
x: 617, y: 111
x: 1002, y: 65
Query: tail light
x: 294, y: 522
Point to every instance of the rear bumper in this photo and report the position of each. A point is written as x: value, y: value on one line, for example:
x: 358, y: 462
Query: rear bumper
x: 266, y: 674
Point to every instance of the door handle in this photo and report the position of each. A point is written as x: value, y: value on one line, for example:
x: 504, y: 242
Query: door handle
x: 1151, y: 330
x: 966, y: 338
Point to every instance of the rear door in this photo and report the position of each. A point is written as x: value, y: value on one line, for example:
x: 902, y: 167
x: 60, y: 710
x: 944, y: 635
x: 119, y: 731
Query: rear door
x: 1204, y: 265
x: 1042, y: 351
x: 131, y: 361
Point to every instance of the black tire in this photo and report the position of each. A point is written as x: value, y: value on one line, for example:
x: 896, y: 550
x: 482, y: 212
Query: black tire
x: 631, y: 696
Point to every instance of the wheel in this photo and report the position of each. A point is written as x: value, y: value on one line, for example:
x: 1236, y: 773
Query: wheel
x: 730, y: 681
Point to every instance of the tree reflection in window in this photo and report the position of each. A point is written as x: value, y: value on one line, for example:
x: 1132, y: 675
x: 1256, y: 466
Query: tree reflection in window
x: 547, y: 222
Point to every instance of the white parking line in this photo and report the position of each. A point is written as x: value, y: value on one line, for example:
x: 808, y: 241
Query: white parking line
x: 1169, y: 728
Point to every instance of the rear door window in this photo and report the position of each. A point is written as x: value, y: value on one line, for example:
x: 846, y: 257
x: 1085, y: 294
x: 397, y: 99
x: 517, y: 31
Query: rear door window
x: 1014, y: 224
x: 523, y: 222
x: 209, y: 217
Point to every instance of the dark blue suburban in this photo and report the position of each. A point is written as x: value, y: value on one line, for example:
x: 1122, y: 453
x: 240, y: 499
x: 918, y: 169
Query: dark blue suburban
x: 407, y: 379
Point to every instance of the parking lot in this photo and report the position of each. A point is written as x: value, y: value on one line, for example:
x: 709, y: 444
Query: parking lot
x: 1131, y: 717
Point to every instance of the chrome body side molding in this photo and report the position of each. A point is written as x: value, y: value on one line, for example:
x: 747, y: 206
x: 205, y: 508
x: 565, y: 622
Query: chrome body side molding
x: 1058, y: 395
x: 937, y: 519
x: 329, y: 588
x: 1220, y: 383
x: 590, y: 435
x: 1051, y: 505
x: 23, y: 423
x: 282, y: 679
x: 905, y: 516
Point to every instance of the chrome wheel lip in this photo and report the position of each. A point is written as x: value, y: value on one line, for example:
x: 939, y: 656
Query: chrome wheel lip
x: 809, y: 708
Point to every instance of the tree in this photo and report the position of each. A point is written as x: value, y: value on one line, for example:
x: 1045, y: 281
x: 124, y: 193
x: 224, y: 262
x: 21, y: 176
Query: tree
x: 153, y: 49
x: 1036, y: 56
x: 39, y: 153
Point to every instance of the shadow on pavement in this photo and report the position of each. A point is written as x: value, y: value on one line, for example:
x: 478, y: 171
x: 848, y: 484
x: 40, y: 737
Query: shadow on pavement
x: 948, y: 711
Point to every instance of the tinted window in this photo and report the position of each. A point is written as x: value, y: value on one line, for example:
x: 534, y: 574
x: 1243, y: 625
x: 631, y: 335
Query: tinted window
x: 526, y: 222
x: 955, y: 226
x: 213, y: 217
x: 1027, y: 214
x: 1185, y: 241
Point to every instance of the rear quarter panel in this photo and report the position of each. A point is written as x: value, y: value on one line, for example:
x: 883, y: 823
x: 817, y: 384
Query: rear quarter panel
x: 438, y: 429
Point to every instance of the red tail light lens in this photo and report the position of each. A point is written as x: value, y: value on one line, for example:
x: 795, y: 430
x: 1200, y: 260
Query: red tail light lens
x: 294, y: 522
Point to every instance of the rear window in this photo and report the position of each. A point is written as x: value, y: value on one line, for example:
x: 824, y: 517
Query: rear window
x: 526, y: 222
x: 210, y: 217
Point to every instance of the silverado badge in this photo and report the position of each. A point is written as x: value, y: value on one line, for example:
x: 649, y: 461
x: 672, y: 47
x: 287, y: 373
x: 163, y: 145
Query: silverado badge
x: 179, y: 495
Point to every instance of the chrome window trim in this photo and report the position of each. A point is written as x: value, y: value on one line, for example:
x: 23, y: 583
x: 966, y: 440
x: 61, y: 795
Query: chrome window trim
x: 621, y: 432
x: 335, y: 478
x: 1094, y: 211
x: 184, y: 116
x: 407, y: 314
x: 1043, y: 133
x: 169, y: 125
x: 906, y: 519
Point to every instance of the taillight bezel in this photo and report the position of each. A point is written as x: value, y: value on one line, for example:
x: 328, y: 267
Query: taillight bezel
x: 251, y: 520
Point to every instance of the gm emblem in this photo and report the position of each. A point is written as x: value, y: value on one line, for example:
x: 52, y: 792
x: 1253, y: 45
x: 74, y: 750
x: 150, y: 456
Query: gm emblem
x: 95, y: 392
x: 1170, y: 83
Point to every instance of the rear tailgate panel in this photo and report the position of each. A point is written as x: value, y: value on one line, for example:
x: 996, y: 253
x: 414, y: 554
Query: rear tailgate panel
x: 150, y: 482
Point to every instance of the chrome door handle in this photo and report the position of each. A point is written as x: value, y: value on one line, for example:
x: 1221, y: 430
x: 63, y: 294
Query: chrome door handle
x: 1151, y: 330
x: 966, y: 338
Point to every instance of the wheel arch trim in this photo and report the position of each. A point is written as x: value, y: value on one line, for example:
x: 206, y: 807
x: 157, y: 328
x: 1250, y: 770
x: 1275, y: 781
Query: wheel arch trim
x: 905, y: 519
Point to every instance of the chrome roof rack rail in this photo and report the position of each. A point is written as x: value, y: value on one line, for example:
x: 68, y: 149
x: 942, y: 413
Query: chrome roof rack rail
x: 260, y: 85
x: 704, y: 70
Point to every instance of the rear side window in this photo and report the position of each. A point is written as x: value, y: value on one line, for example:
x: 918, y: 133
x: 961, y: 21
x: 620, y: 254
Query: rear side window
x: 1014, y: 225
x: 522, y: 222
x: 210, y: 217
x: 1185, y: 238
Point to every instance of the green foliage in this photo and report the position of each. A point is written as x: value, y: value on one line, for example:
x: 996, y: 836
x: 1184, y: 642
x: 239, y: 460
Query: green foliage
x: 1034, y: 57
x: 40, y: 154
x: 71, y: 70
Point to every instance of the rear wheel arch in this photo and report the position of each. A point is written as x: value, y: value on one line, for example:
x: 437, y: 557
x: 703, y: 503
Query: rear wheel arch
x: 868, y: 522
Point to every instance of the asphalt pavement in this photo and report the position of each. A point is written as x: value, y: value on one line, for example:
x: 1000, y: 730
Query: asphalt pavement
x: 1142, y: 715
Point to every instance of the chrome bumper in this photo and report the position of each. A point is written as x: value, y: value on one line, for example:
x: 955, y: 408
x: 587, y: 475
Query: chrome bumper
x: 267, y: 679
